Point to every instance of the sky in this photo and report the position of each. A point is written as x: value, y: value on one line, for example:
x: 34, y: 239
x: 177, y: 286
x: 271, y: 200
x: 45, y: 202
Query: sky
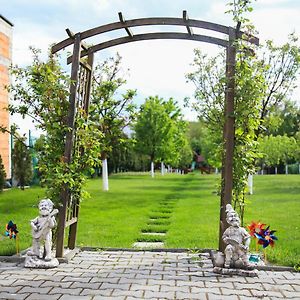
x: 155, y: 67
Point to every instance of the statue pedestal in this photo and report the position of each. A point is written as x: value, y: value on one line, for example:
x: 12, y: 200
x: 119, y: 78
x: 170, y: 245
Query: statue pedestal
x: 218, y: 260
x: 239, y: 272
x: 37, y: 263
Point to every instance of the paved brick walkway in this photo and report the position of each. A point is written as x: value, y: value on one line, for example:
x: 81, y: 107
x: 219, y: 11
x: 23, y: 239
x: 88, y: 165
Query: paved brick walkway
x: 141, y: 275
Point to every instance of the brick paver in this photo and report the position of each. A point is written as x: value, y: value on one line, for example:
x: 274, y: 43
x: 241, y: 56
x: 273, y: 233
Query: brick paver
x: 130, y: 275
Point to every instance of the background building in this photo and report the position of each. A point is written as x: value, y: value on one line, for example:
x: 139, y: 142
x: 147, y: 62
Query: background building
x: 5, y: 61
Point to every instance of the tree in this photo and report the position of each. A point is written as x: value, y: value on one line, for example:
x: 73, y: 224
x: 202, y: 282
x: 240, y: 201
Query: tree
x: 174, y: 149
x: 278, y: 65
x: 205, y: 140
x: 111, y: 111
x: 288, y: 151
x: 22, y: 163
x: 297, y: 152
x: 2, y: 175
x: 41, y: 91
x: 277, y: 149
x: 270, y: 149
x: 210, y: 89
x: 210, y: 82
x: 159, y: 130
x: 283, y: 119
x: 281, y: 65
x: 186, y: 156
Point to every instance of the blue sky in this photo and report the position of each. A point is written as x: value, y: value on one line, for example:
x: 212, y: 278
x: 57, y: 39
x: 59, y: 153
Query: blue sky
x: 156, y: 67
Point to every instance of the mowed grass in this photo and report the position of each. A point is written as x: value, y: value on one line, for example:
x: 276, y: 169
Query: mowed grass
x: 276, y: 202
x: 20, y: 207
x: 185, y: 207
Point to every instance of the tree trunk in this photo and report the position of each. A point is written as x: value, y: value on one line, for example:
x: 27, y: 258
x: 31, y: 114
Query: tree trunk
x: 162, y: 166
x: 286, y: 169
x: 250, y: 184
x: 152, y: 169
x: 104, y: 175
x: 276, y: 171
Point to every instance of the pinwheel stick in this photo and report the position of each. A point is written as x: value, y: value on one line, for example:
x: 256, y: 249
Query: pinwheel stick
x: 17, y: 244
x: 265, y: 256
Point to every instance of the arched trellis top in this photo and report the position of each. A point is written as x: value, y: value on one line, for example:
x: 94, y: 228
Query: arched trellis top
x: 122, y: 24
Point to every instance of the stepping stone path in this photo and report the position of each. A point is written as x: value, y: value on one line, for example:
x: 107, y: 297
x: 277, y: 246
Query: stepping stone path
x: 153, y: 235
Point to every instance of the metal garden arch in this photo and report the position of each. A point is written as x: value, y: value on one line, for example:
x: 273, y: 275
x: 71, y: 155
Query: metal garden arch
x: 81, y: 74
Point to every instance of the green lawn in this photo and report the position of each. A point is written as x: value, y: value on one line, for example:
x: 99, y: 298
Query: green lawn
x: 276, y: 201
x: 185, y: 207
x: 20, y: 207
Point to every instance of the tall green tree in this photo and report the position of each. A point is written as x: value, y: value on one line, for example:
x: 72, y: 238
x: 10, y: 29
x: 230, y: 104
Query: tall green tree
x: 186, y: 156
x: 112, y: 110
x: 173, y: 151
x: 22, y: 163
x: 159, y: 130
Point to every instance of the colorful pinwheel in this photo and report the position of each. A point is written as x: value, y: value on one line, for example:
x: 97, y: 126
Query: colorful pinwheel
x: 11, y: 230
x: 255, y: 227
x: 266, y: 237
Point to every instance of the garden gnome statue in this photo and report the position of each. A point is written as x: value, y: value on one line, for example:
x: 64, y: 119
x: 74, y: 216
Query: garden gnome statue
x: 234, y: 260
x: 41, y: 257
x: 237, y: 240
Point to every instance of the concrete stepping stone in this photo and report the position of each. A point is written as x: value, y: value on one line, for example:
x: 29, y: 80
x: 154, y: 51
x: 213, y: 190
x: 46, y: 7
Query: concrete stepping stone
x: 158, y: 222
x: 159, y: 217
x: 149, y: 245
x: 154, y: 233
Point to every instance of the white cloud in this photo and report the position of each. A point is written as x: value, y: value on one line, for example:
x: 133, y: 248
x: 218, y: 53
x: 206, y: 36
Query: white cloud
x: 275, y: 2
x: 276, y: 23
x: 32, y: 36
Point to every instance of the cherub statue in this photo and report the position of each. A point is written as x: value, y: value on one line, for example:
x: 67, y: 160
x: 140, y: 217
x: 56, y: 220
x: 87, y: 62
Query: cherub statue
x: 237, y: 240
x: 42, y: 230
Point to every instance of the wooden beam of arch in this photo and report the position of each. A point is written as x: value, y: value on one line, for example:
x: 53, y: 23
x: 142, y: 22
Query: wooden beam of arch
x: 152, y: 36
x: 150, y: 22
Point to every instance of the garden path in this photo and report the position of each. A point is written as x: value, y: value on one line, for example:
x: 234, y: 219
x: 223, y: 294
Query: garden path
x: 141, y: 275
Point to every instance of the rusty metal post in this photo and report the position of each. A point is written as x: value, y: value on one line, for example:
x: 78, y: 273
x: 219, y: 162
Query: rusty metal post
x: 65, y: 194
x: 88, y: 86
x: 227, y: 173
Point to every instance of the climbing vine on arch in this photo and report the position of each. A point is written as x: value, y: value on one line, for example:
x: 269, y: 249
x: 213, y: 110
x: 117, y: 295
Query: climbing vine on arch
x: 41, y: 91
